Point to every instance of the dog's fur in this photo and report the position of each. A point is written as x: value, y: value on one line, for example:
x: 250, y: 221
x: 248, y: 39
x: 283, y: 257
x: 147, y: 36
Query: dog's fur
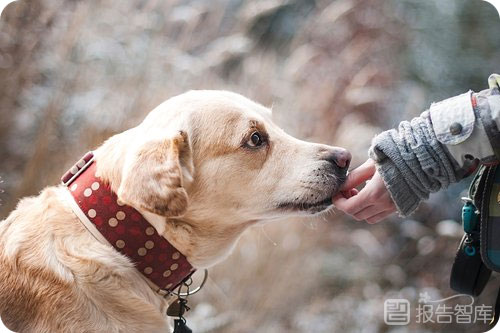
x: 191, y: 170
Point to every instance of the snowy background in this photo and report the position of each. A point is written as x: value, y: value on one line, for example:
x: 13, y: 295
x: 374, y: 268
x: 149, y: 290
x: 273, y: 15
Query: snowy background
x: 72, y: 73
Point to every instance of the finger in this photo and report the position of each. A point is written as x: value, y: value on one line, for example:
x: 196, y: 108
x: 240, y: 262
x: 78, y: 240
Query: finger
x: 380, y: 216
x: 349, y: 193
x: 359, y: 175
x: 369, y: 212
x: 352, y: 205
x: 342, y: 204
x: 339, y: 202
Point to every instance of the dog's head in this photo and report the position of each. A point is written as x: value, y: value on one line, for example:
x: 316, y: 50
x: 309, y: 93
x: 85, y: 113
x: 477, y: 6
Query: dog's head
x: 215, y: 155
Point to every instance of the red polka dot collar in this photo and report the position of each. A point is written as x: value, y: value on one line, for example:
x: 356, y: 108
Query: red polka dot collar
x: 124, y: 228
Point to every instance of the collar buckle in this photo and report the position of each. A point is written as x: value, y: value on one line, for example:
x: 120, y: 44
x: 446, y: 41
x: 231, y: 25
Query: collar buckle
x: 77, y: 169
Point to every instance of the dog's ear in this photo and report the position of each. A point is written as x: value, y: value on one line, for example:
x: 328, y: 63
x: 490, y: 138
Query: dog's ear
x: 152, y: 178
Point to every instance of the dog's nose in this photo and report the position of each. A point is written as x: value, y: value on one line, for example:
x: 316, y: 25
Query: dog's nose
x: 338, y: 156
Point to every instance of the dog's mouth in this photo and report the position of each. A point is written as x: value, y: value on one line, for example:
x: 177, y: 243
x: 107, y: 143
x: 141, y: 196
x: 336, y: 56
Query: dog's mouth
x: 317, y: 206
x: 310, y: 207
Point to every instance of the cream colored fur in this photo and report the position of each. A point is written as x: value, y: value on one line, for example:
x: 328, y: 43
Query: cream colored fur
x: 190, y: 169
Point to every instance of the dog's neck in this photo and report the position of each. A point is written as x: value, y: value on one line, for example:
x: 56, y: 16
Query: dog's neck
x: 121, y: 226
x: 203, y: 242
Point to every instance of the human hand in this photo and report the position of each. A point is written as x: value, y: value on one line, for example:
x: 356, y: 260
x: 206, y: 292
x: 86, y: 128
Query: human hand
x: 373, y: 203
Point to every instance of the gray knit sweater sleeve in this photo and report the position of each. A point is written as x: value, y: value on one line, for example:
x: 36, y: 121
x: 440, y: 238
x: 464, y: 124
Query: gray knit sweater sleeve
x: 440, y: 147
x: 413, y: 163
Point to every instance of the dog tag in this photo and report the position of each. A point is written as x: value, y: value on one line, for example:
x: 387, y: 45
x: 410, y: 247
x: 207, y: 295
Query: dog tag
x: 176, y: 309
x: 181, y: 327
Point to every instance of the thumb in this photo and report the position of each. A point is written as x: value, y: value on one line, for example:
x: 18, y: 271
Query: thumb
x: 359, y: 175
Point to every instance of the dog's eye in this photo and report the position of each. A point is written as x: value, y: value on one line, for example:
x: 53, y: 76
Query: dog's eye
x: 255, y: 140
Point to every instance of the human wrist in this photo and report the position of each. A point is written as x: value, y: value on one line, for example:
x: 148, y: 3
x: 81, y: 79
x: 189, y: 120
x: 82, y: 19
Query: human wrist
x: 405, y: 200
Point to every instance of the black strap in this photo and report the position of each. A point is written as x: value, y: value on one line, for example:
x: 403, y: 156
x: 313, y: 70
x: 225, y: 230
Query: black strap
x: 497, y: 310
x: 468, y: 274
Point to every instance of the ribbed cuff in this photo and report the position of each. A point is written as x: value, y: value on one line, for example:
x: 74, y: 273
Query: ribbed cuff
x: 405, y: 199
x: 384, y: 151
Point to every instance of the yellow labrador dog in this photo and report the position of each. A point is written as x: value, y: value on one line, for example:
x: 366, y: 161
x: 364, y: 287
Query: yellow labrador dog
x: 201, y: 168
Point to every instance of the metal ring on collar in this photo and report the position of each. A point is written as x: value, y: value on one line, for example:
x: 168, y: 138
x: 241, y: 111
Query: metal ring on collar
x: 188, y: 293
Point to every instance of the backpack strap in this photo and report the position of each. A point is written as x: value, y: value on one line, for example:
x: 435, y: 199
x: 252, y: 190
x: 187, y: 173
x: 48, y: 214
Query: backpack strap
x: 490, y: 219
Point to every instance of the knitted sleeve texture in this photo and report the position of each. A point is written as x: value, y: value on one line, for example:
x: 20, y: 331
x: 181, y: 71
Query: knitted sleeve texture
x: 413, y: 163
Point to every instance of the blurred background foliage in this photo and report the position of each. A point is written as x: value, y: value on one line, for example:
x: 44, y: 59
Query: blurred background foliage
x: 72, y: 73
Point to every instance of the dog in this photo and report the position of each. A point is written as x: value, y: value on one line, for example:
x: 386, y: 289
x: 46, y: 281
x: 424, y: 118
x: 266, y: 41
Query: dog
x: 200, y: 169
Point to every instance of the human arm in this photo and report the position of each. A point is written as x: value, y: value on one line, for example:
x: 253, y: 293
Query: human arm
x: 426, y: 154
